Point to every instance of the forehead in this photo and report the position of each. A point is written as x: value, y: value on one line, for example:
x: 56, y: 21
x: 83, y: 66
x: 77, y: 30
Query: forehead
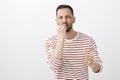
x: 64, y: 11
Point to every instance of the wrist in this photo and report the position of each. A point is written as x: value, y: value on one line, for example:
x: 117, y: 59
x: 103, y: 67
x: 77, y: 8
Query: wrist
x: 93, y: 65
x: 60, y: 39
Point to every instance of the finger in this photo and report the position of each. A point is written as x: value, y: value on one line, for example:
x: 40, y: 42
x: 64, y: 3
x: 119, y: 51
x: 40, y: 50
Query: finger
x: 86, y: 57
x: 86, y: 54
x: 64, y: 24
x: 60, y: 28
x: 90, y: 56
x: 63, y: 27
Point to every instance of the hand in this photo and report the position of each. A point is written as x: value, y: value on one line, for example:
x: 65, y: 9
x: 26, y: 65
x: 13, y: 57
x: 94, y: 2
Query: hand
x: 90, y: 62
x: 61, y: 31
x: 89, y: 59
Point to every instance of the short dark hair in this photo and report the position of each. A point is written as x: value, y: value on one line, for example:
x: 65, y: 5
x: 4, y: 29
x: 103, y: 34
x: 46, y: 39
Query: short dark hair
x: 64, y: 6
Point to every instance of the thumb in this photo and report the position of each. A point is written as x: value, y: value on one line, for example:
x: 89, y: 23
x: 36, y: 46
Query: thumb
x: 86, y: 53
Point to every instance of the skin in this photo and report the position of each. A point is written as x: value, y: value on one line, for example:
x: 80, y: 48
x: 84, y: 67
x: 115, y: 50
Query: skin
x: 91, y: 63
x: 65, y: 20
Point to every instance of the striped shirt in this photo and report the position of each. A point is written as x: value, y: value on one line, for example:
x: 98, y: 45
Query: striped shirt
x: 73, y: 65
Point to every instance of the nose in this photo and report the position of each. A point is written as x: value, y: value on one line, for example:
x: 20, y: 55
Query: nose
x: 64, y: 20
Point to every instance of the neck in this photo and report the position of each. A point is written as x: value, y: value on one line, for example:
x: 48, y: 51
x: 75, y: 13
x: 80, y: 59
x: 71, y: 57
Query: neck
x: 71, y: 34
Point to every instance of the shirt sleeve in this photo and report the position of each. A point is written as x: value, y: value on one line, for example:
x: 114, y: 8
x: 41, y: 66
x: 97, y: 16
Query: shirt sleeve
x: 53, y: 62
x: 93, y: 51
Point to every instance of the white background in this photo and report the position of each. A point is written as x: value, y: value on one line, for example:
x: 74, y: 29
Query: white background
x: 26, y: 24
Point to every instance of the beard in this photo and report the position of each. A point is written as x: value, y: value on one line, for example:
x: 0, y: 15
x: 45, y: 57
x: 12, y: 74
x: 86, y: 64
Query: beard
x: 68, y: 29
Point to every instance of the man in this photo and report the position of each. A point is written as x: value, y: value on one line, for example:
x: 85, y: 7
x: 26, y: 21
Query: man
x: 70, y: 52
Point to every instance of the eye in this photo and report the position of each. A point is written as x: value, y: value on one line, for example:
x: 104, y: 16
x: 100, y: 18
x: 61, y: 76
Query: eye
x: 68, y: 17
x: 60, y: 17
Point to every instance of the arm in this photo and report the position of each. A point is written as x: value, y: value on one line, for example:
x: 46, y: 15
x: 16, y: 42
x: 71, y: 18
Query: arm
x: 53, y: 62
x: 95, y: 66
x: 54, y: 52
x: 92, y: 58
x: 58, y: 51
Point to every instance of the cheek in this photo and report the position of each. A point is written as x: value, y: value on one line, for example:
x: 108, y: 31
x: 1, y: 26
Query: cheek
x: 58, y: 22
x: 73, y: 20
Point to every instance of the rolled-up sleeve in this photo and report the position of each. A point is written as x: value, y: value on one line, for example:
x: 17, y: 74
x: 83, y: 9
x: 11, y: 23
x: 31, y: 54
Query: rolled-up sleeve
x: 53, y: 62
x: 94, y: 53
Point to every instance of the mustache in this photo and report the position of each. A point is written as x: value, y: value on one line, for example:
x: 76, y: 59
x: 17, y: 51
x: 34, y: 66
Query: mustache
x: 65, y: 23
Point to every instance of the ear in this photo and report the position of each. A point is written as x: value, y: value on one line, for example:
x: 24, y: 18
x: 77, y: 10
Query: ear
x: 74, y: 19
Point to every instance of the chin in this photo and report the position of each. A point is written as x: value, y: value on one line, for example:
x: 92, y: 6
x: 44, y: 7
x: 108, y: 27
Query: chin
x: 68, y: 29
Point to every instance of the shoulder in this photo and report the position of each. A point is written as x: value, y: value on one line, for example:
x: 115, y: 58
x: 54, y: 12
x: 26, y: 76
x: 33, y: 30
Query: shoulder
x: 85, y: 36
x: 86, y: 39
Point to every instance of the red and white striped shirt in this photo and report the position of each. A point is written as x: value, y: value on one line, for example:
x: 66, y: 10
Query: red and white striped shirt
x: 73, y: 65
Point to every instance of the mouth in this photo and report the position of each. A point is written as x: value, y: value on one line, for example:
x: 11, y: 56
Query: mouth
x: 65, y: 24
